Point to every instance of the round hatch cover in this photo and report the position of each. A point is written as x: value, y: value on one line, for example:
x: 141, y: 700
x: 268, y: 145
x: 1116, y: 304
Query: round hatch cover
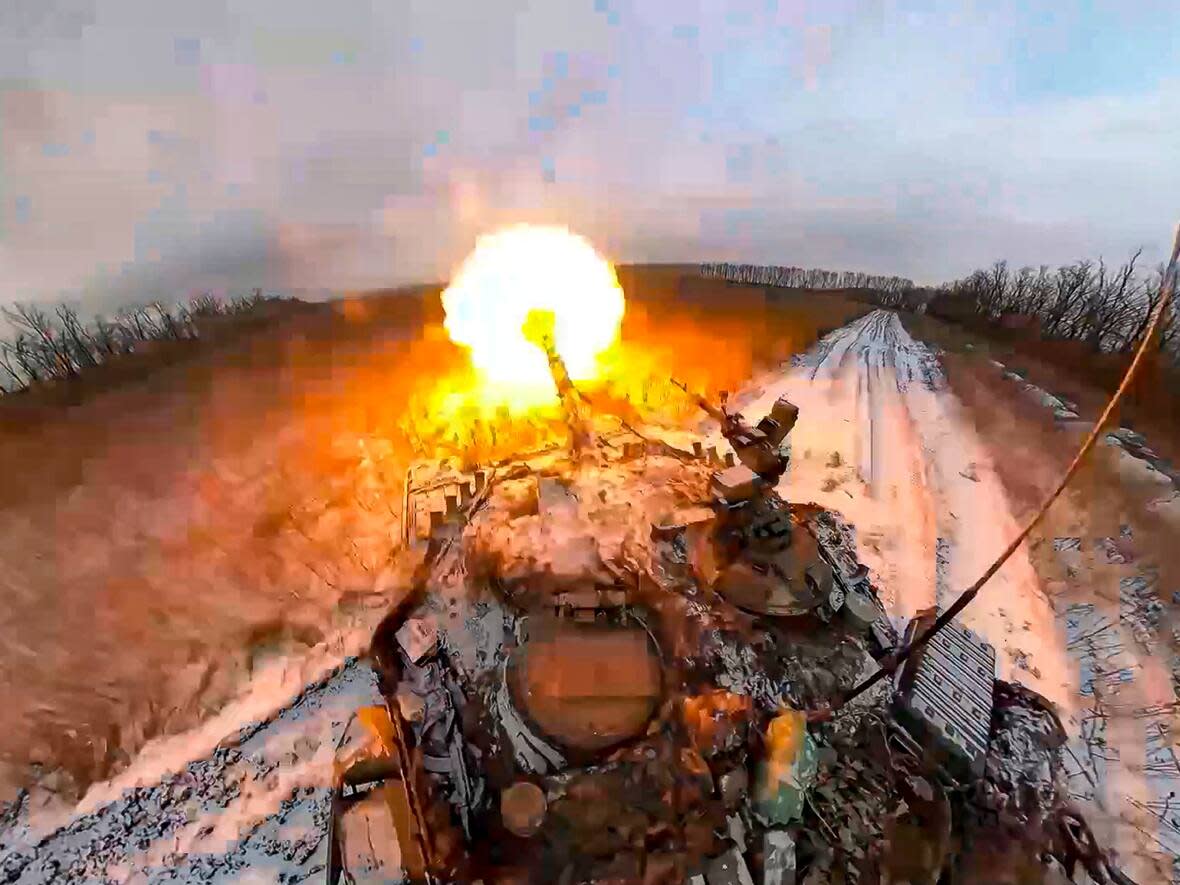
x: 587, y: 686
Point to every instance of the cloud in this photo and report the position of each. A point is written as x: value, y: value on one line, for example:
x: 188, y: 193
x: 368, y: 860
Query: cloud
x: 154, y: 147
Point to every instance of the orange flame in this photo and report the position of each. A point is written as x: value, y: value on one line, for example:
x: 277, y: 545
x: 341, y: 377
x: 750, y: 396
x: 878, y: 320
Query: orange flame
x: 500, y: 400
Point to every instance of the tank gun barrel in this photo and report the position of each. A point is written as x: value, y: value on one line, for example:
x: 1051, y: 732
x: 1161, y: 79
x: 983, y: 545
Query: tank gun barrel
x: 539, y: 329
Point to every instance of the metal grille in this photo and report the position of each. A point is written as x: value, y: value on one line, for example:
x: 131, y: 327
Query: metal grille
x: 946, y: 697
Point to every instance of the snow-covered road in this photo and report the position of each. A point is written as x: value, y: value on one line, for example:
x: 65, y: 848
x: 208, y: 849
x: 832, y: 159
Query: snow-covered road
x: 881, y: 439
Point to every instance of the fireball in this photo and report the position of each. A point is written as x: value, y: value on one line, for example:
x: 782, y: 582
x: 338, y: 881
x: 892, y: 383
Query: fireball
x: 525, y: 270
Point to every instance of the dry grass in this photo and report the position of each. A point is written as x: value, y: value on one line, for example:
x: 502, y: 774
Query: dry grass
x: 1071, y: 370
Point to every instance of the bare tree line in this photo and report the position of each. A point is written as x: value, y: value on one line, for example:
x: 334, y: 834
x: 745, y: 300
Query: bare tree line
x: 1107, y: 308
x: 812, y: 278
x: 53, y: 344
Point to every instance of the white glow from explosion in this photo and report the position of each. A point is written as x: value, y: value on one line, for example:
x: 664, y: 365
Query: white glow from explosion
x: 524, y: 268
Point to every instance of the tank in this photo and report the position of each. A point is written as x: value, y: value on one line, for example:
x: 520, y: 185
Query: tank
x: 601, y: 668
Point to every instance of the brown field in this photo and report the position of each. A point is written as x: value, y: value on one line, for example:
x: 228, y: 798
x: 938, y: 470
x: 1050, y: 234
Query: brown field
x: 1072, y: 370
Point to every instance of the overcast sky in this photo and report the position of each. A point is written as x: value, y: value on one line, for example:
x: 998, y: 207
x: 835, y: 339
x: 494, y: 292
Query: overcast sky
x: 151, y: 147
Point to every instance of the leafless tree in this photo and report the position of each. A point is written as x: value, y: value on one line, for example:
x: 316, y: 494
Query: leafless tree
x: 166, y: 323
x: 109, y: 339
x: 1170, y: 330
x: 48, y: 346
x: 205, y: 304
x: 248, y: 302
x: 31, y: 358
x: 994, y: 290
x: 1120, y: 306
x: 1019, y: 291
x: 61, y: 344
x: 11, y: 368
x: 76, y: 336
x: 1108, y: 309
x: 137, y: 324
x: 1072, y: 285
x: 769, y: 275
